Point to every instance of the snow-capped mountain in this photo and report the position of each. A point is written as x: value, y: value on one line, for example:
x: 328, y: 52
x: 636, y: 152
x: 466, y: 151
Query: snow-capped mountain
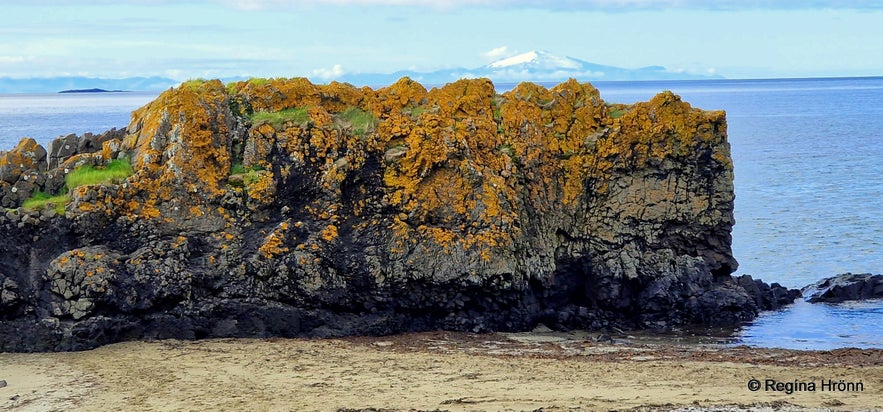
x: 538, y: 59
x: 540, y: 65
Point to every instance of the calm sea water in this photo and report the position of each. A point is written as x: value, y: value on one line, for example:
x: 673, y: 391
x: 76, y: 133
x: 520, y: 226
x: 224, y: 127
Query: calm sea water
x: 48, y: 116
x: 808, y: 157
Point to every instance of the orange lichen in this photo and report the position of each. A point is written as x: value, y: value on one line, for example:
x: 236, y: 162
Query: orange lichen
x: 461, y: 165
x: 329, y: 233
x: 663, y: 127
x: 273, y: 95
x: 273, y: 245
x: 262, y: 187
x: 196, y: 211
x: 180, y: 140
x: 23, y: 156
x: 452, y: 172
x: 390, y: 100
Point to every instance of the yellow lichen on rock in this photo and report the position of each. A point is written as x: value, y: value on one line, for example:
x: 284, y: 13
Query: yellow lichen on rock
x: 459, y: 167
x: 274, y: 95
x: 274, y: 243
x: 665, y: 126
x: 390, y: 100
x: 24, y: 156
x: 181, y: 140
x: 448, y: 176
x: 261, y: 187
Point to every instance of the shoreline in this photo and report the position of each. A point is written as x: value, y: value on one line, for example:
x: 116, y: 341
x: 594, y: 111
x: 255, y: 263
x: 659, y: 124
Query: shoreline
x: 434, y: 371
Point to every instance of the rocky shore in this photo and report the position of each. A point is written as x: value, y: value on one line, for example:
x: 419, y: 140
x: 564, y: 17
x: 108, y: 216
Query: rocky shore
x: 282, y: 208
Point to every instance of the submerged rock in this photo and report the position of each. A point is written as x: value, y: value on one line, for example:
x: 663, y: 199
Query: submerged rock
x: 282, y: 208
x: 845, y: 287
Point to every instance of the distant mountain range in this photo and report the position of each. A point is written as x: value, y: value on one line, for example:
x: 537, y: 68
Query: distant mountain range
x: 535, y: 65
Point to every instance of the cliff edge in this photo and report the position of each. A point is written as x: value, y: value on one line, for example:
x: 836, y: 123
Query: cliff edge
x: 283, y: 208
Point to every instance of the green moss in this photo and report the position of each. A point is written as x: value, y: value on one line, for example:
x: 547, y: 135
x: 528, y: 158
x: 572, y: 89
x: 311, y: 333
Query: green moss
x: 258, y: 81
x: 89, y: 175
x: 616, y: 110
x: 39, y: 200
x: 251, y: 177
x: 414, y: 111
x: 232, y: 88
x: 497, y: 104
x: 299, y: 115
x: 238, y: 169
x: 362, y: 121
x: 244, y: 176
x: 193, y: 84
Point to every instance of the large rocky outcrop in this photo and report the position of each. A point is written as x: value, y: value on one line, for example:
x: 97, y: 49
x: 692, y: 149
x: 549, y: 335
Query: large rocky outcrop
x: 283, y: 208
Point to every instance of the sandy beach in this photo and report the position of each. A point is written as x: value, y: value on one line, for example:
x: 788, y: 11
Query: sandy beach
x: 436, y: 371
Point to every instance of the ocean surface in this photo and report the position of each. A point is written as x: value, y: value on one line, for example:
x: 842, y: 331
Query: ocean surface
x: 808, y: 157
x: 48, y: 116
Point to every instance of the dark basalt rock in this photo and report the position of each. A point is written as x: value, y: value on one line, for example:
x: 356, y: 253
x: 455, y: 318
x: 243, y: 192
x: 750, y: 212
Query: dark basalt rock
x: 845, y: 287
x: 768, y: 297
x: 359, y: 211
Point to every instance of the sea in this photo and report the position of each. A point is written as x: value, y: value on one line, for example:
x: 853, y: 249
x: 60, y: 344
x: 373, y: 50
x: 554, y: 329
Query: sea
x: 808, y: 157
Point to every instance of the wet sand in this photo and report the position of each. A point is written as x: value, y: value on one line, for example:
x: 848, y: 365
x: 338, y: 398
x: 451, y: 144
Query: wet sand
x: 434, y: 371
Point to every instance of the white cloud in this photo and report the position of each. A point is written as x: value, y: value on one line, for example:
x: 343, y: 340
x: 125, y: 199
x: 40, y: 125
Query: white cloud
x: 329, y: 74
x: 12, y: 59
x: 497, y: 53
x: 599, y: 5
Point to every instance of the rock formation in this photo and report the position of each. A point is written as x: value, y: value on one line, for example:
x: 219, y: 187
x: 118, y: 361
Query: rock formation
x: 282, y: 208
x: 845, y: 287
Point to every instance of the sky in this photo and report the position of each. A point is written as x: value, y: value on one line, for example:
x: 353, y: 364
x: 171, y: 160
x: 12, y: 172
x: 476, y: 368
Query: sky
x: 323, y: 39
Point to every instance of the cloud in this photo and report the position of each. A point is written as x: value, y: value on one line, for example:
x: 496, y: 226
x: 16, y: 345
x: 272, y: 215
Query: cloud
x: 497, y: 53
x: 12, y: 59
x: 329, y: 74
x: 561, y: 5
x: 597, y: 5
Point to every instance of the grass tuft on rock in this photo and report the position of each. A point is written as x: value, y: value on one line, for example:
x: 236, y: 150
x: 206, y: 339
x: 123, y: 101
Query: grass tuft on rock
x: 240, y: 176
x: 115, y: 171
x: 39, y: 201
x: 297, y: 115
x: 361, y: 121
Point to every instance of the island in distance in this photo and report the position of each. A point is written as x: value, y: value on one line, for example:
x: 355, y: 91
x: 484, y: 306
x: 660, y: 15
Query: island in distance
x: 93, y: 90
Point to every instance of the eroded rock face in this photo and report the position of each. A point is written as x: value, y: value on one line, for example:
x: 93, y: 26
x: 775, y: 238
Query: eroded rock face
x: 282, y: 208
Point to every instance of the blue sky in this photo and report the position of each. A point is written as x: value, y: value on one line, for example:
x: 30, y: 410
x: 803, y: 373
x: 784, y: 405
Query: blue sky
x: 322, y: 38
